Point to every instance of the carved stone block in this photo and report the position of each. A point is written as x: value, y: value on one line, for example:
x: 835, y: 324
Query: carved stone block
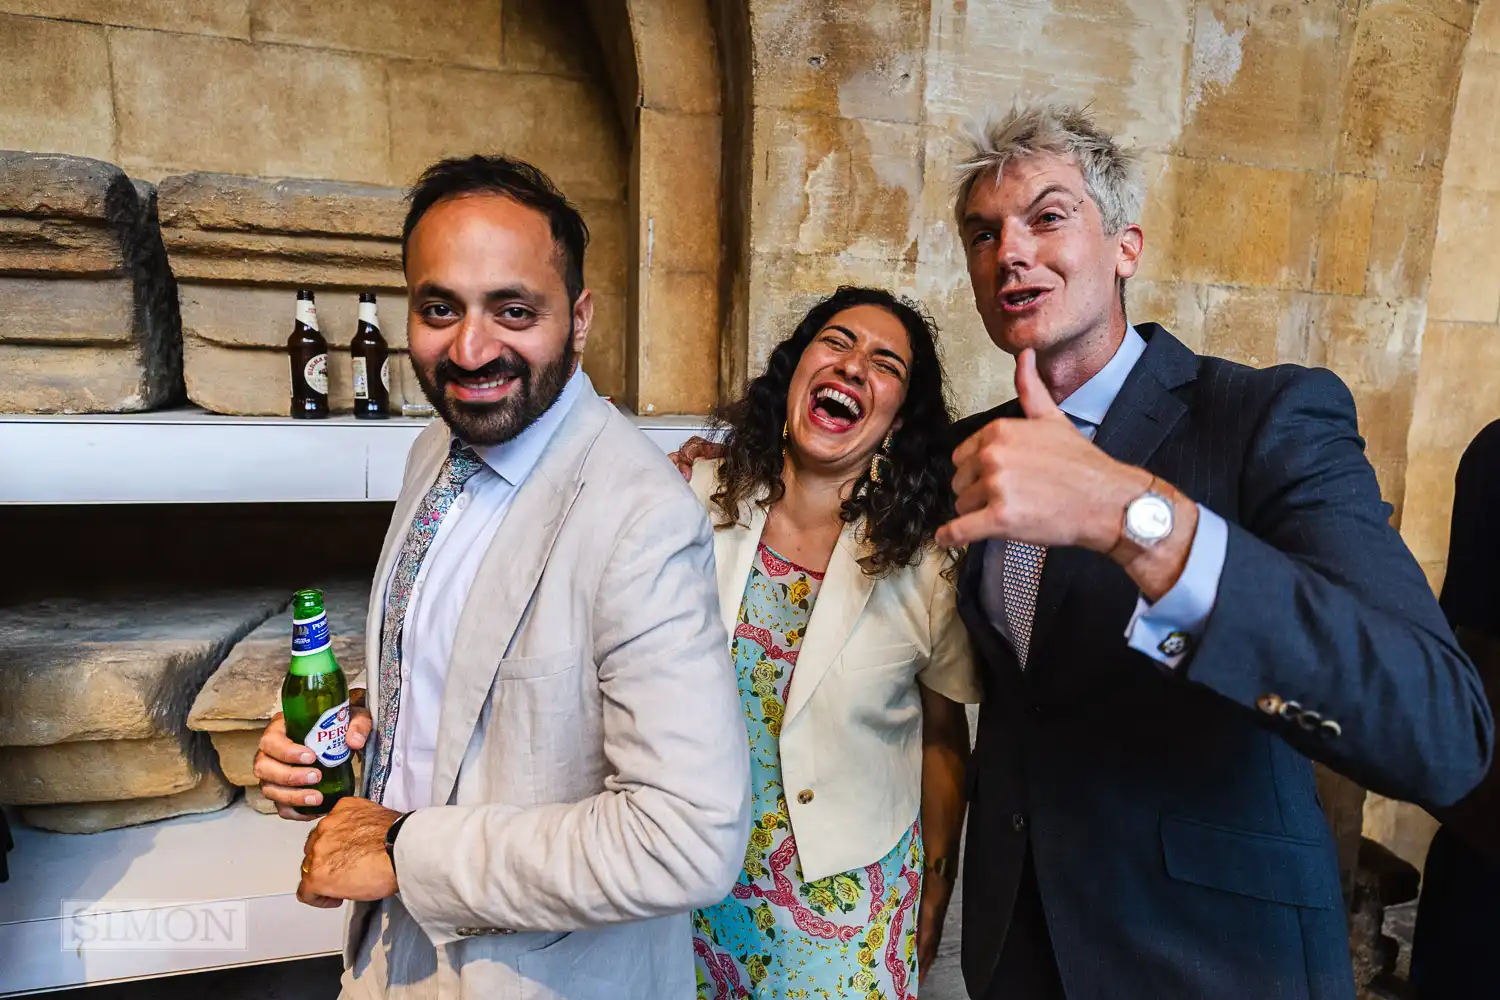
x: 85, y: 288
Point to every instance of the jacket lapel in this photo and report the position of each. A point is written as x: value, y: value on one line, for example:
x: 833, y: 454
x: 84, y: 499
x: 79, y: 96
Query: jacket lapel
x: 841, y: 599
x: 1139, y: 420
x: 734, y: 553
x: 507, y: 577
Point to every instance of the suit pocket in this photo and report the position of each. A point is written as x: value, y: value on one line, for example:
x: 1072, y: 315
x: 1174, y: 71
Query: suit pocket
x: 568, y: 969
x: 1264, y: 866
x: 523, y: 668
x: 875, y: 657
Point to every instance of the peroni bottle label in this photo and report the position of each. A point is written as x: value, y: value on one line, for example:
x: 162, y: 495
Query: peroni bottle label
x: 310, y: 635
x: 328, y: 738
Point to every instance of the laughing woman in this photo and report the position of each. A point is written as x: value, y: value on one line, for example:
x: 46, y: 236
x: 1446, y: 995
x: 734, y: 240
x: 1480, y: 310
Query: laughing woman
x: 853, y: 665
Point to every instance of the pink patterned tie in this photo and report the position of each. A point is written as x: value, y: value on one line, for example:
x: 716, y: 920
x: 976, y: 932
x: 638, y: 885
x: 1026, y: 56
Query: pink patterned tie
x: 460, y: 467
x: 1022, y: 576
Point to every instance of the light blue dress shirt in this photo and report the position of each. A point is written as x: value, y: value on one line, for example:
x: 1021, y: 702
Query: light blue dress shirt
x: 441, y: 590
x: 1183, y: 609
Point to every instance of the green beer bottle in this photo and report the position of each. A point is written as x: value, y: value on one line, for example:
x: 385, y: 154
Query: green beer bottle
x: 315, y: 700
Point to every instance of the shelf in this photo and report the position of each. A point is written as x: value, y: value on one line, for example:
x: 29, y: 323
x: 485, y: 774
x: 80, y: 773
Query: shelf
x: 181, y: 895
x: 191, y: 456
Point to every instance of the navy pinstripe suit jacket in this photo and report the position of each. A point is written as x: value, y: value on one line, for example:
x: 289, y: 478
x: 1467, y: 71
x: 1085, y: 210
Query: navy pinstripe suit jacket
x: 1179, y: 844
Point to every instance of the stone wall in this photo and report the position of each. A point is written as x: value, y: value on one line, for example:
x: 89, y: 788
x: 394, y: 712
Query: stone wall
x: 1295, y: 157
x: 1458, y: 387
x: 364, y: 91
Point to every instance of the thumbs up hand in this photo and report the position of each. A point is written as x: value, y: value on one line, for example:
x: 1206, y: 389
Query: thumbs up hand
x: 1038, y: 479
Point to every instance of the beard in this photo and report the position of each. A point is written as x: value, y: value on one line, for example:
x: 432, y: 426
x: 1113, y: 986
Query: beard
x: 497, y: 423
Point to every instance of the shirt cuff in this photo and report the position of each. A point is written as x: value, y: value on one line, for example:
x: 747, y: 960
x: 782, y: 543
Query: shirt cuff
x: 1168, y: 630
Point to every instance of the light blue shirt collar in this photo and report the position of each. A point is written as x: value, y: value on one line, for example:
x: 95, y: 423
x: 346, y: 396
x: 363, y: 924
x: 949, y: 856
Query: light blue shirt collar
x: 1090, y: 402
x: 513, y: 460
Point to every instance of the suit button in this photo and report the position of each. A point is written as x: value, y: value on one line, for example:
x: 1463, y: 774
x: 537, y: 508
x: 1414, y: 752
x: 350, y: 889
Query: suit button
x: 805, y: 796
x: 1018, y: 822
x: 1269, y: 703
x: 1309, y: 720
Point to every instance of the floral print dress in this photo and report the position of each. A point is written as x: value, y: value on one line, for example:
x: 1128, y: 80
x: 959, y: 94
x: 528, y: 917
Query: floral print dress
x: 776, y: 936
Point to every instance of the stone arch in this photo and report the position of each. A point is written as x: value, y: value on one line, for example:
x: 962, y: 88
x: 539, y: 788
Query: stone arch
x: 662, y: 56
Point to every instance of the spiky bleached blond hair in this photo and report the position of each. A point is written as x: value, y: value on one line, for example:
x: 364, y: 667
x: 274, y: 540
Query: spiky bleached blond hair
x: 1111, y: 173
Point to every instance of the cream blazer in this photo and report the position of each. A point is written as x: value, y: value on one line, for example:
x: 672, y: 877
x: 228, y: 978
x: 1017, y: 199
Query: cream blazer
x: 851, y: 740
x: 592, y: 779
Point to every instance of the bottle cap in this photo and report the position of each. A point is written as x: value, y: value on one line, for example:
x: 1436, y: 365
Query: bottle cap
x: 304, y: 295
x: 367, y: 296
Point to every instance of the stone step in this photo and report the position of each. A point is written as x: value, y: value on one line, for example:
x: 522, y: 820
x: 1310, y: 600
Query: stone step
x: 117, y: 668
x: 245, y: 691
x: 210, y: 794
x: 95, y: 771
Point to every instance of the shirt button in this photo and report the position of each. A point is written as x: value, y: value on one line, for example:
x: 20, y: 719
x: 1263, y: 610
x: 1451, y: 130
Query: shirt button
x: 396, y: 757
x: 462, y: 501
x: 805, y: 796
x: 1018, y: 822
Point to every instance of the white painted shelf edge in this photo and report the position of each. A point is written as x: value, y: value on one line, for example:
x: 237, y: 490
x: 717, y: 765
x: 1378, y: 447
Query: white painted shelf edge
x: 191, y: 456
x: 180, y: 895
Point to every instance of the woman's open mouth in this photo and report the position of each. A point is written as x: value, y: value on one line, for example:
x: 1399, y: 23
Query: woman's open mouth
x: 834, y: 410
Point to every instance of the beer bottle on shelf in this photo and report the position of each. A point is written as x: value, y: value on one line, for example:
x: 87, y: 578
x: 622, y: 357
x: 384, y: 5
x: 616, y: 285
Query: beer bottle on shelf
x: 372, y: 364
x: 309, y: 353
x: 315, y: 700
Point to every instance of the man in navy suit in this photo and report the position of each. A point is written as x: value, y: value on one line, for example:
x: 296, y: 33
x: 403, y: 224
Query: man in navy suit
x: 1183, y: 588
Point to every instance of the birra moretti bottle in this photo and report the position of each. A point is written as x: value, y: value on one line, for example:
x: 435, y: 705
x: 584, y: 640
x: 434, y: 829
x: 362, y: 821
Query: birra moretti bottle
x: 315, y: 700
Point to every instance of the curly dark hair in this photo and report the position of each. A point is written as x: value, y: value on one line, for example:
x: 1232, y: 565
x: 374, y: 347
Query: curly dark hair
x: 914, y: 496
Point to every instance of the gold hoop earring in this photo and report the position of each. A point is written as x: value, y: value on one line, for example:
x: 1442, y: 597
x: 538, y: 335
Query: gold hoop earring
x: 881, y: 456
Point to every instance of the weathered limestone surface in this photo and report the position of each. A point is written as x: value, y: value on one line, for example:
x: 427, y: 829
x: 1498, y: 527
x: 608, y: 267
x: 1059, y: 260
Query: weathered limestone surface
x: 259, y: 802
x: 95, y: 771
x: 241, y: 247
x: 207, y: 17
x: 236, y: 749
x: 127, y: 668
x: 55, y: 87
x: 210, y: 794
x: 85, y: 288
x: 245, y: 691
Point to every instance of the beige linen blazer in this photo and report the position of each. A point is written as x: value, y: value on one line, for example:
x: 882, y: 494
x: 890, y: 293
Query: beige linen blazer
x: 851, y: 740
x: 591, y: 785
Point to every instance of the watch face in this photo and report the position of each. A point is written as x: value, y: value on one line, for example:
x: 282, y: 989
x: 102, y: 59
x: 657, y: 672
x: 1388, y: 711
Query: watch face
x: 1149, y: 518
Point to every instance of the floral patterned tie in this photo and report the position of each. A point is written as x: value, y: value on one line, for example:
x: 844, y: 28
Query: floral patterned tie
x: 460, y: 467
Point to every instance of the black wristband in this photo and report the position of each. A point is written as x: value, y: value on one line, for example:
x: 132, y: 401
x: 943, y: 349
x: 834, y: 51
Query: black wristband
x: 390, y: 837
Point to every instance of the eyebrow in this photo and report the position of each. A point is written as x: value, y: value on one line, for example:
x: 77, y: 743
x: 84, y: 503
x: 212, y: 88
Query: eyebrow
x: 884, y: 352
x: 1047, y: 192
x: 431, y: 289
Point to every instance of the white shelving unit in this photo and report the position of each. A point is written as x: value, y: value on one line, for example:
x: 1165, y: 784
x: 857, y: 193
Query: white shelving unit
x: 236, y: 863
x: 191, y: 456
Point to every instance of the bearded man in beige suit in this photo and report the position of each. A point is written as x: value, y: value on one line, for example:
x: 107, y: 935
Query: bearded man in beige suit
x: 555, y: 767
